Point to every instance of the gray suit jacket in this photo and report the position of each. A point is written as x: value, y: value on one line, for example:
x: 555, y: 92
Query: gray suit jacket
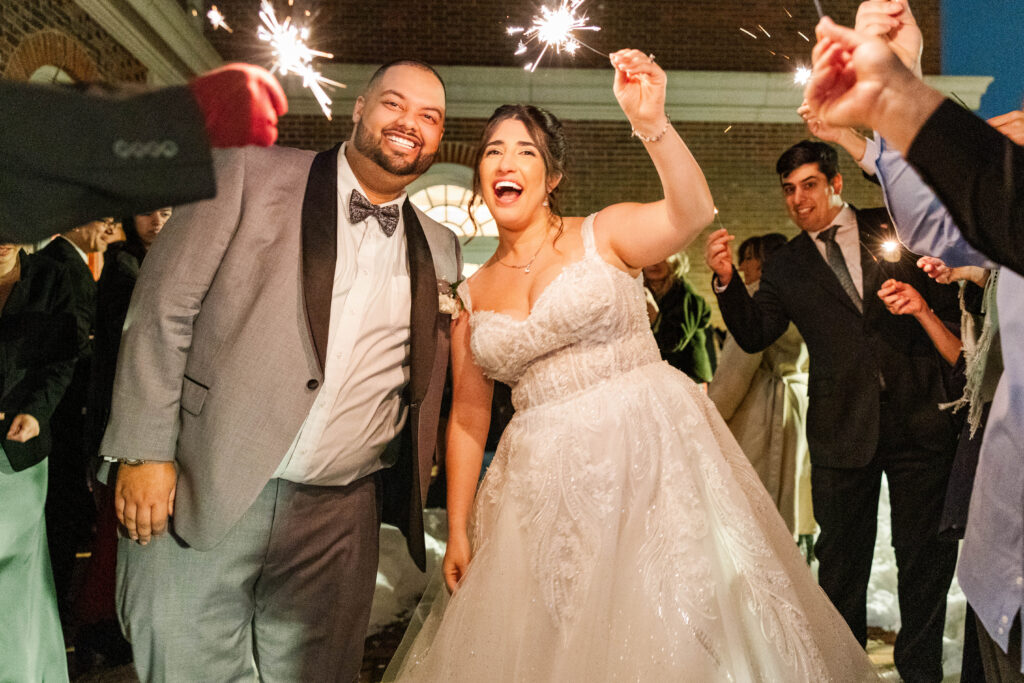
x: 223, y: 347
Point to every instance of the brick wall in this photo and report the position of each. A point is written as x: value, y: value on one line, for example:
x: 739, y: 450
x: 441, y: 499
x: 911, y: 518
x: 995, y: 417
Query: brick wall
x: 59, y: 32
x: 684, y: 34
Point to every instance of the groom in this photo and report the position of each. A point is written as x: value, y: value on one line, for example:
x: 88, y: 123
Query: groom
x: 278, y: 388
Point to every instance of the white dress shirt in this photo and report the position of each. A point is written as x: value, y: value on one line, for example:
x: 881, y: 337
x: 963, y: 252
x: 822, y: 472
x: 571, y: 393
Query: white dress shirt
x: 848, y: 239
x: 359, y: 407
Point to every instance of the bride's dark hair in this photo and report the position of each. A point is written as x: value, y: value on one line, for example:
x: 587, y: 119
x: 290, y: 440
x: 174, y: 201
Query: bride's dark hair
x: 546, y: 132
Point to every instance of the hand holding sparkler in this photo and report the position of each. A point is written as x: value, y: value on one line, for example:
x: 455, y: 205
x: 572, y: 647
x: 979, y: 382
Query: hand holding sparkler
x: 860, y: 81
x: 844, y: 136
x: 240, y: 104
x: 901, y: 298
x: 893, y: 21
x: 718, y: 257
x: 640, y: 89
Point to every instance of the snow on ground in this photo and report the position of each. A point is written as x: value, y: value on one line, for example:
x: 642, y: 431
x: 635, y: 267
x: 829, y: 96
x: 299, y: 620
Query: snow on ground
x: 399, y: 583
x: 883, y: 606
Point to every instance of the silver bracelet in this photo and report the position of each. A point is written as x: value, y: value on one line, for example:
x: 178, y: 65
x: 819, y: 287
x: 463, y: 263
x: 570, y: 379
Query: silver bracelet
x: 125, y: 461
x: 653, y: 138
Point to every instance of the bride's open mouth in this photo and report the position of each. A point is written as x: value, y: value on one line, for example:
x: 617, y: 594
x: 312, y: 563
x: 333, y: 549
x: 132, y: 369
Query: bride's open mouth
x: 507, y: 191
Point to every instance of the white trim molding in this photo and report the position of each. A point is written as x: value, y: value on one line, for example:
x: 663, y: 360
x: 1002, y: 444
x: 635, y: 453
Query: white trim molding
x: 159, y: 34
x: 586, y: 94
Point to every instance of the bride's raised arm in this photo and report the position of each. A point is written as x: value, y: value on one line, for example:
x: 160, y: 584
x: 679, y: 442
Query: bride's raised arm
x: 642, y: 234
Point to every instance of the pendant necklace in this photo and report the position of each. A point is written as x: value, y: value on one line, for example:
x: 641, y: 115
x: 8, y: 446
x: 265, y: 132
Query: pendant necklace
x: 526, y: 268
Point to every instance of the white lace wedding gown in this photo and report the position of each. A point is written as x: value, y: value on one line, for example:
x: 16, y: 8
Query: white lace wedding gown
x: 619, y: 534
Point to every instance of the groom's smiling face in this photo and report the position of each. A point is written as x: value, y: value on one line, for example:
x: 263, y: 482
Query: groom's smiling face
x: 400, y: 120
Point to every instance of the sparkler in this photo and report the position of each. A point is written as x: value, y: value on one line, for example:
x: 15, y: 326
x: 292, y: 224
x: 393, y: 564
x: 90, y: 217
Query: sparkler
x: 554, y: 29
x: 293, y: 56
x: 817, y: 5
x: 891, y: 251
x: 217, y: 19
x: 802, y: 75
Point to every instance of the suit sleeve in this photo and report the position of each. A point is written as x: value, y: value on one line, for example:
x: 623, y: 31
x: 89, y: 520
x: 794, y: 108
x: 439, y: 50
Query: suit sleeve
x: 48, y: 382
x: 978, y: 173
x: 754, y: 322
x: 157, y: 336
x: 70, y: 157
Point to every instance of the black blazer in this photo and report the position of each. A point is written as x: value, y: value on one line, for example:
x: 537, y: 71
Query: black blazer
x: 67, y: 418
x: 121, y: 155
x: 978, y: 173
x: 852, y: 355
x: 38, y: 347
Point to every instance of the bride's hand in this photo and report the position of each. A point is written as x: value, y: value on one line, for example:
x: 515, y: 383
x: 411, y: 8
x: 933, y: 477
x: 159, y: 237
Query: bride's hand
x: 640, y: 89
x: 456, y: 560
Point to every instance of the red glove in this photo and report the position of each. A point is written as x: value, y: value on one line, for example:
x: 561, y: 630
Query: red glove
x: 240, y: 103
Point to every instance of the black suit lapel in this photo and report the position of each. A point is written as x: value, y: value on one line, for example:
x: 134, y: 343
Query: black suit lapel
x: 820, y: 272
x: 423, y: 320
x: 320, y: 246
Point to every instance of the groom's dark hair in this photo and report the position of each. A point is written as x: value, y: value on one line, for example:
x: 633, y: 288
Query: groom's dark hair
x: 379, y: 73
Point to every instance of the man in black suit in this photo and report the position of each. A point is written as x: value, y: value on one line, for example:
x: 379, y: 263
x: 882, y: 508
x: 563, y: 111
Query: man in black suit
x: 69, y: 507
x: 875, y: 385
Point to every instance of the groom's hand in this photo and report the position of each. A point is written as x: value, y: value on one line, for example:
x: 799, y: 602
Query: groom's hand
x: 144, y: 498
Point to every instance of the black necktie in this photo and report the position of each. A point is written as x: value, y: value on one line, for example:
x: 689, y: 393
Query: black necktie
x: 834, y: 256
x: 359, y: 207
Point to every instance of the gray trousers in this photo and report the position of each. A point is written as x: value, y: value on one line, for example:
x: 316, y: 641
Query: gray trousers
x: 284, y: 597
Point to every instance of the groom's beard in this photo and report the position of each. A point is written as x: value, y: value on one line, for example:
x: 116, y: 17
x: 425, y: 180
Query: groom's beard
x: 370, y: 147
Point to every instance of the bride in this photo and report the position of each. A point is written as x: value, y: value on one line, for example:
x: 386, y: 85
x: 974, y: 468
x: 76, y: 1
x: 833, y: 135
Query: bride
x: 620, y: 533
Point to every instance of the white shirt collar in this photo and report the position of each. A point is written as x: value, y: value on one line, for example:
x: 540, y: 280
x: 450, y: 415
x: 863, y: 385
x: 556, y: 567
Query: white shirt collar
x: 846, y: 218
x: 85, y: 257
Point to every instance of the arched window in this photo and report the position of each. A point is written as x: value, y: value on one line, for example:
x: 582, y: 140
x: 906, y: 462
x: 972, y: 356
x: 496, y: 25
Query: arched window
x: 443, y: 193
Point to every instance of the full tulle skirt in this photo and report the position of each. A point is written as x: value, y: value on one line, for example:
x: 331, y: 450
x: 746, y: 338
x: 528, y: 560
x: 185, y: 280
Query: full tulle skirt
x: 621, y: 535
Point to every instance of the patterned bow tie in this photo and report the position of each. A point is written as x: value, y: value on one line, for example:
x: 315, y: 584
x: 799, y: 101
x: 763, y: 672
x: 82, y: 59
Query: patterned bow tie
x: 359, y: 207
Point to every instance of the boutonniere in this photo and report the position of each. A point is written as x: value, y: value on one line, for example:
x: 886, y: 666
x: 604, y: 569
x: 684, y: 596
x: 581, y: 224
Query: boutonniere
x: 448, y: 300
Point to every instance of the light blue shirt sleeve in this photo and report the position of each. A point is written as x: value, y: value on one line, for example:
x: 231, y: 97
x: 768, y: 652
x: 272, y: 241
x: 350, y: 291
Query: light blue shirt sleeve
x: 922, y: 221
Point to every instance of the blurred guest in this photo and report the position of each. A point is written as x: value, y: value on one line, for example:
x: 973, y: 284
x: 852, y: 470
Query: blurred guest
x: 70, y: 511
x: 763, y: 398
x: 681, y: 319
x: 37, y: 352
x: 98, y: 639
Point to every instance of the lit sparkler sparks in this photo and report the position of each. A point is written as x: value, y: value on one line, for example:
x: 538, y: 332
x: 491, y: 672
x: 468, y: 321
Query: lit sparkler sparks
x: 891, y: 251
x: 217, y: 19
x: 748, y: 33
x: 293, y: 56
x: 802, y: 75
x: 802, y: 35
x: 554, y: 29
